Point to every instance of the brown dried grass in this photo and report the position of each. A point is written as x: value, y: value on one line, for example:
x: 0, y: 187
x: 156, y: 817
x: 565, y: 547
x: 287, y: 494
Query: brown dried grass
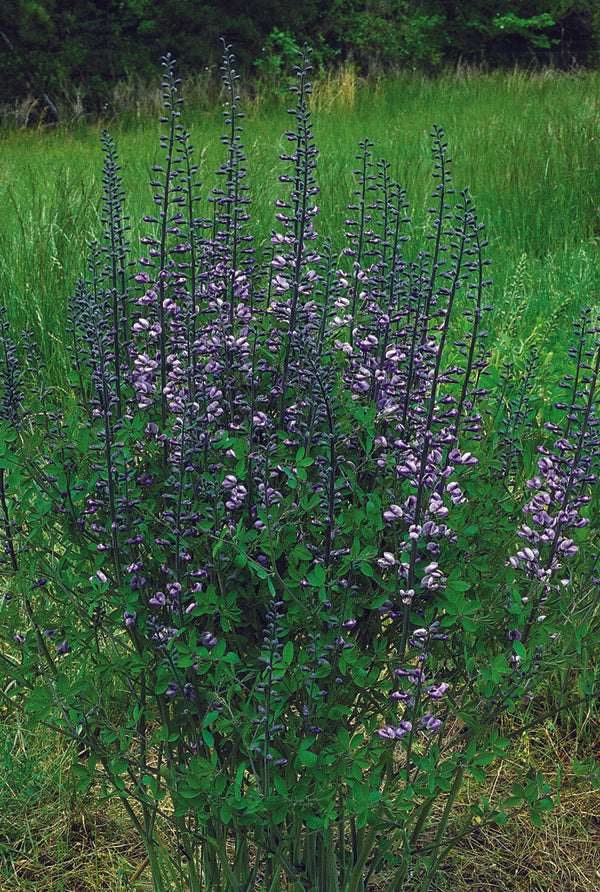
x: 66, y: 843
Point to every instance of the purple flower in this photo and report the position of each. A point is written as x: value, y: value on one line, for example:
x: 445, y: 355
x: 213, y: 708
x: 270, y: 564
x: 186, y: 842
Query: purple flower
x: 438, y: 690
x: 158, y: 599
x: 413, y: 675
x: 404, y: 697
x: 430, y: 723
x: 391, y: 732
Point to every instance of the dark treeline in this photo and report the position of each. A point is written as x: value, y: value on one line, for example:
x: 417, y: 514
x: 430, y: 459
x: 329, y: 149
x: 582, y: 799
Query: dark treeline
x: 48, y: 45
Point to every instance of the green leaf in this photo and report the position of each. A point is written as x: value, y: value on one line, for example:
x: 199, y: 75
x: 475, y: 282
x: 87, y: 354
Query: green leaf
x: 83, y: 777
x: 458, y: 585
x: 344, y: 738
x: 535, y: 817
x: 478, y: 773
x: 308, y: 759
x: 316, y: 576
x: 280, y: 814
x: 545, y: 804
x: 520, y: 649
x: 483, y: 758
x: 302, y: 553
x: 239, y: 775
x: 226, y: 813
x: 187, y: 793
x: 281, y: 786
x: 220, y: 784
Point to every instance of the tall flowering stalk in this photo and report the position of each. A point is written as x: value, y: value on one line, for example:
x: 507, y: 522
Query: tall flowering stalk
x: 560, y: 490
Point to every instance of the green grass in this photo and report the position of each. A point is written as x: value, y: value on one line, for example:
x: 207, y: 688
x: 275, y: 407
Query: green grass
x: 528, y: 147
x: 51, y: 839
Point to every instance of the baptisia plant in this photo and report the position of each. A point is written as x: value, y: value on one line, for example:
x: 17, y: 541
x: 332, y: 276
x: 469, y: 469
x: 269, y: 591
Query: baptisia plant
x: 264, y: 571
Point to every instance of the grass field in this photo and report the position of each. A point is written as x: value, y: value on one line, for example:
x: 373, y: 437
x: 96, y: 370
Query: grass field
x: 528, y: 147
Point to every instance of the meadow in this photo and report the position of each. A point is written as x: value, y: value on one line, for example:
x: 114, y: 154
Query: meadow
x: 527, y: 145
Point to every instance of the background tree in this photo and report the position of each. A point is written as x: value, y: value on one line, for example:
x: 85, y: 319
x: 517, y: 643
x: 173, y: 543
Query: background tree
x: 46, y: 45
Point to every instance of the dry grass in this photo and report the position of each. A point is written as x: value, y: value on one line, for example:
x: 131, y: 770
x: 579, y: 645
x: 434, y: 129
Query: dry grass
x: 59, y: 842
x: 336, y: 91
x: 564, y: 854
x: 78, y: 851
x: 63, y: 843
